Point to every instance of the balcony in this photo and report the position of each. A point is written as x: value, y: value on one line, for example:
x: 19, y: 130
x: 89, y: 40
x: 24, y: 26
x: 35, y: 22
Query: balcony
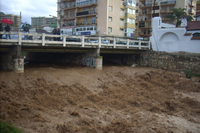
x: 144, y: 35
x: 191, y: 5
x: 82, y: 23
x: 143, y: 6
x: 67, y: 0
x: 190, y: 11
x: 155, y: 15
x: 132, y: 16
x: 128, y: 25
x: 69, y: 18
x: 145, y: 19
x: 166, y: 3
x: 142, y: 0
x: 85, y: 13
x: 165, y: 11
x: 88, y: 2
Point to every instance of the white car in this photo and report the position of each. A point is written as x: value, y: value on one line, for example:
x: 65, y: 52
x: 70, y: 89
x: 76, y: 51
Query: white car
x: 93, y: 41
x: 105, y: 41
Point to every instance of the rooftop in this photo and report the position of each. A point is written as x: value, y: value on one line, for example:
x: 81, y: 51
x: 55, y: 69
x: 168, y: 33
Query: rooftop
x: 193, y: 25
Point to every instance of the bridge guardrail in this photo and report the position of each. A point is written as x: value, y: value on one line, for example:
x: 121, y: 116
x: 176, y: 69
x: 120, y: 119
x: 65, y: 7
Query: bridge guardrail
x: 81, y: 41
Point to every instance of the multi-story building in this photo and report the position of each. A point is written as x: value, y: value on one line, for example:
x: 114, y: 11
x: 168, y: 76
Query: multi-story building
x: 147, y: 9
x: 97, y: 17
x: 198, y: 8
x: 40, y: 22
x: 14, y: 18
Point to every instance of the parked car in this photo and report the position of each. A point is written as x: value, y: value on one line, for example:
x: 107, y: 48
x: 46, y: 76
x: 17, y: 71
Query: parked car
x: 105, y: 41
x: 73, y: 40
x: 121, y: 42
x: 93, y: 41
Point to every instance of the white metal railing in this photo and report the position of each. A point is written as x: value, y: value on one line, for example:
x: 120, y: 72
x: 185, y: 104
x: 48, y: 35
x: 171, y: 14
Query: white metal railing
x: 18, y: 38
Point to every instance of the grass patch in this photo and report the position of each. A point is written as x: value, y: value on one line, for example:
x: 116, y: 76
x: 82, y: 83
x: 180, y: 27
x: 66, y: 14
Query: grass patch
x: 8, y: 128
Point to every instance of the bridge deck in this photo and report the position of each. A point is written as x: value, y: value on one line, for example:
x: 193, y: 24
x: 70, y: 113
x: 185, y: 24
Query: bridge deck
x: 46, y: 40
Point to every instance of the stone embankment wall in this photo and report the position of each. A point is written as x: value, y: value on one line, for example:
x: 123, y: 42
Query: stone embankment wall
x: 177, y: 62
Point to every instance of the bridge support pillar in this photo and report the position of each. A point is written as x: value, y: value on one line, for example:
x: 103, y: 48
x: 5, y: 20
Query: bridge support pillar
x: 13, y: 60
x: 145, y: 58
x: 17, y: 59
x: 93, y: 59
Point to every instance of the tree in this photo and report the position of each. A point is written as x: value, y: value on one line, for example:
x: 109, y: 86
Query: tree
x: 176, y: 15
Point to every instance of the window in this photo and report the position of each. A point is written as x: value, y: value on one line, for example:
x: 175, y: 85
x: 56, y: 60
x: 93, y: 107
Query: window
x: 66, y: 23
x: 86, y: 9
x: 71, y: 13
x: 122, y: 9
x: 72, y: 4
x: 131, y: 11
x: 93, y: 20
x: 121, y: 29
x: 86, y: 21
x: 72, y: 22
x: 110, y: 8
x: 66, y: 14
x: 93, y: 10
x: 131, y: 21
x: 121, y: 19
x: 109, y: 29
x: 67, y: 5
x: 110, y: 19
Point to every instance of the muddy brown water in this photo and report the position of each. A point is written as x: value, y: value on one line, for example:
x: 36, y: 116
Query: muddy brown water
x: 117, y: 99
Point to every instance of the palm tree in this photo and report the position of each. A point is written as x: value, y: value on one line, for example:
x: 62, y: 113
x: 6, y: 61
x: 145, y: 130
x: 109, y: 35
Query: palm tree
x: 176, y: 15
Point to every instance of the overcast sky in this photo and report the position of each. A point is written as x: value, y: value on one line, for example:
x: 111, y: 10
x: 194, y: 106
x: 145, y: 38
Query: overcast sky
x: 29, y: 8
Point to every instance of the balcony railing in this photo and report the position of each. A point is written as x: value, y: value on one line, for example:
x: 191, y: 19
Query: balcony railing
x: 168, y: 2
x: 144, y: 5
x: 88, y: 2
x: 85, y: 13
x: 82, y: 13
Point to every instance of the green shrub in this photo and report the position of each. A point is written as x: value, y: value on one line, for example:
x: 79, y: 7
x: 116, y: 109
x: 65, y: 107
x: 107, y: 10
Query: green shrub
x: 8, y: 128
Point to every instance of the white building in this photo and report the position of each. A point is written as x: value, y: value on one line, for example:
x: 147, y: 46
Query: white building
x: 166, y: 37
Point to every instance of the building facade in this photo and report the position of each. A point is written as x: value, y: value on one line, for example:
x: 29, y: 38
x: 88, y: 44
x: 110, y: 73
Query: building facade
x: 97, y: 17
x: 14, y: 18
x: 198, y: 8
x: 40, y: 22
x: 147, y: 9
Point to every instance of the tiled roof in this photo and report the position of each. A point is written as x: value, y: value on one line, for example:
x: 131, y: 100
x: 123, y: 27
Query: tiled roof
x: 195, y: 38
x: 187, y: 34
x: 193, y: 25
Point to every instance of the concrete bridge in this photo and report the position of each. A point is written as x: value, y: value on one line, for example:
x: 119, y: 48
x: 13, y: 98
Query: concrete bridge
x: 92, y: 47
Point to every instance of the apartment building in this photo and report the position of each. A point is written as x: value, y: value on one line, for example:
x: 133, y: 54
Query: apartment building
x: 147, y: 9
x: 198, y: 8
x: 40, y: 22
x: 97, y: 17
x: 14, y: 18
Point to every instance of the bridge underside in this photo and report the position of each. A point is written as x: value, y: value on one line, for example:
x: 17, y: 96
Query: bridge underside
x: 68, y: 55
